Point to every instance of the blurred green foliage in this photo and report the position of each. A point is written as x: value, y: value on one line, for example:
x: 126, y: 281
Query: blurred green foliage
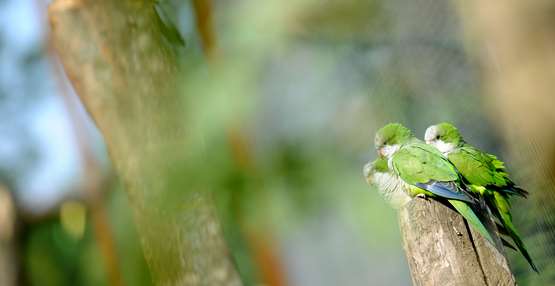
x: 53, y: 256
x: 279, y: 129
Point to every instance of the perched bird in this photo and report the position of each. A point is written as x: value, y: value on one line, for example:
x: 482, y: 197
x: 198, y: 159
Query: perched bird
x: 485, y: 175
x: 379, y: 176
x: 407, y: 167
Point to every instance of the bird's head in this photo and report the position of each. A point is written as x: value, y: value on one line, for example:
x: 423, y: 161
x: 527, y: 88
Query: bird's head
x: 389, y: 139
x: 444, y: 136
x: 377, y: 166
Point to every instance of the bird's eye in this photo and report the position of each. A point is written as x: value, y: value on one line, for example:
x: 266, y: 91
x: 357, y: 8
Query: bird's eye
x: 437, y: 136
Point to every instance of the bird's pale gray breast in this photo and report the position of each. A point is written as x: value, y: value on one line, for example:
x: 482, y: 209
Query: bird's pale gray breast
x: 392, y: 188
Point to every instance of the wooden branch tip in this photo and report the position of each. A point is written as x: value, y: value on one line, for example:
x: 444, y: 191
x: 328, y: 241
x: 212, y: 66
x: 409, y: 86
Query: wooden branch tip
x: 442, y: 249
x: 62, y: 5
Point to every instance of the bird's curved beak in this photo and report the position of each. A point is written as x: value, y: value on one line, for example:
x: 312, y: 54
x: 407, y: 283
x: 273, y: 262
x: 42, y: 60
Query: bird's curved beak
x: 381, y: 152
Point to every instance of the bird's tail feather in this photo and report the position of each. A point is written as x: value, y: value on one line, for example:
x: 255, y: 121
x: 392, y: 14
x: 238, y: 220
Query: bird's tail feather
x: 520, y: 191
x: 506, y: 219
x: 508, y: 244
x: 484, y: 214
x: 515, y: 191
x: 474, y: 220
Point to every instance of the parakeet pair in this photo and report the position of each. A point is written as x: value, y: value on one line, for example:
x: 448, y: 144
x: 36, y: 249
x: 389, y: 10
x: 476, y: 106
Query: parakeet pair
x: 448, y: 169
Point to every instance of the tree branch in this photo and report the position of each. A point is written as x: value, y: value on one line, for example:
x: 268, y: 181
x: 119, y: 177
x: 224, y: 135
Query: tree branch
x: 443, y: 250
x: 8, y: 255
x: 205, y: 27
x: 125, y: 72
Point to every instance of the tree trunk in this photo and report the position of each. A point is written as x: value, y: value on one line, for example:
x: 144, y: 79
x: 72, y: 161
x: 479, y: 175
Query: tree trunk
x: 8, y: 257
x: 125, y: 70
x: 514, y: 43
x: 442, y: 249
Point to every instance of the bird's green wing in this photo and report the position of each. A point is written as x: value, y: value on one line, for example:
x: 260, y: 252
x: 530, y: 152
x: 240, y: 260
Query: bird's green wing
x: 477, y: 167
x: 483, y: 169
x: 510, y: 188
x: 421, y: 165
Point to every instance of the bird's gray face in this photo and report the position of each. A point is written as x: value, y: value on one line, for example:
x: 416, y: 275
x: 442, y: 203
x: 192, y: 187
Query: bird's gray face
x: 388, y: 150
x: 431, y: 135
x: 434, y: 138
x: 386, y: 147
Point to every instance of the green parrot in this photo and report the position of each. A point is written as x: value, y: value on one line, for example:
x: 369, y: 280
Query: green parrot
x: 379, y: 176
x: 485, y: 175
x: 407, y: 167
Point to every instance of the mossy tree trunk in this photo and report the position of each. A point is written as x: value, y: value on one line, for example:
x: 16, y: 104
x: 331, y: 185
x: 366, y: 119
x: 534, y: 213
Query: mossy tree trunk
x: 124, y: 71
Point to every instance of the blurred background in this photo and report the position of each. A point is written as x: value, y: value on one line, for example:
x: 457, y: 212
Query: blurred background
x: 314, y: 80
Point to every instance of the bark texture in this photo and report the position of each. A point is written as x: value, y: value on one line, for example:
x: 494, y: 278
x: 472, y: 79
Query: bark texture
x: 8, y: 257
x: 124, y: 71
x: 443, y: 250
